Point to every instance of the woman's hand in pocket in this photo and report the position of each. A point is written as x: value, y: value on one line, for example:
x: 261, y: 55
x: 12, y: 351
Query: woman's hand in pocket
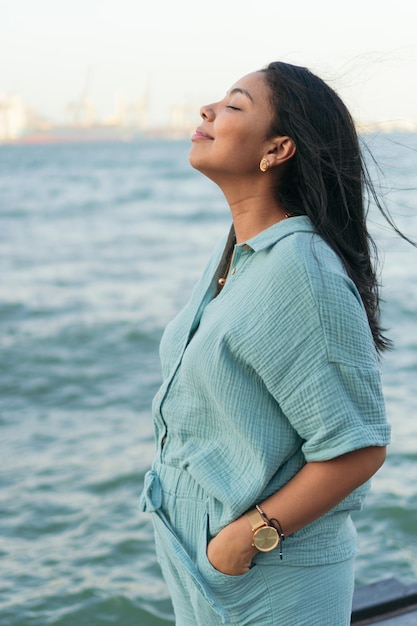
x: 231, y: 551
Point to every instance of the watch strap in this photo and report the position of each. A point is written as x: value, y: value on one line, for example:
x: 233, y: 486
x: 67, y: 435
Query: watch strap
x: 256, y: 519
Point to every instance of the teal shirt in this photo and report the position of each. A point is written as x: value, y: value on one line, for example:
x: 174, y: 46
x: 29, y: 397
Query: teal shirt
x: 277, y: 370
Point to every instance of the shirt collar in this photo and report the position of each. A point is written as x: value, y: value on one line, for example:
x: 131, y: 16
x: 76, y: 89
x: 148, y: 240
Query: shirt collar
x: 271, y: 235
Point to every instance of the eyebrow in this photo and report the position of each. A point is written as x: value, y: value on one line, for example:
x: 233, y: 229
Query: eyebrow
x: 243, y: 91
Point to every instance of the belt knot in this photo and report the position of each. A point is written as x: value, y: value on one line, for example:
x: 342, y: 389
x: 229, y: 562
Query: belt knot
x: 151, y: 497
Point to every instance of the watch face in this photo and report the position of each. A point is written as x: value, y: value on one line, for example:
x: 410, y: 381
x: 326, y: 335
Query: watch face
x: 266, y: 538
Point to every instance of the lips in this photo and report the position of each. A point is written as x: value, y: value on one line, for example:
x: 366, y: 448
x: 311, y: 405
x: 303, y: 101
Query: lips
x: 200, y: 134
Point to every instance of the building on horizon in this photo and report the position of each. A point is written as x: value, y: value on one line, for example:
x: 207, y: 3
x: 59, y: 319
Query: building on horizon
x: 13, y: 117
x: 184, y: 118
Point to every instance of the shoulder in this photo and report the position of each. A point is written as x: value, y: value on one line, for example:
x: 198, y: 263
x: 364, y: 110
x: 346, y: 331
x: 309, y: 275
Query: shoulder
x: 304, y: 258
x: 301, y: 263
x: 316, y: 287
x: 306, y: 253
x: 291, y: 250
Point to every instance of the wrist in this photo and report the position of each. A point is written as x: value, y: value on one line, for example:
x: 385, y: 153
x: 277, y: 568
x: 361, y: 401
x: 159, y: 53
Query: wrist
x: 267, y: 533
x: 246, y: 531
x: 242, y: 533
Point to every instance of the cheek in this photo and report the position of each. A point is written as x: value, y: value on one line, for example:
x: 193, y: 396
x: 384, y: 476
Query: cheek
x: 230, y: 138
x: 242, y: 132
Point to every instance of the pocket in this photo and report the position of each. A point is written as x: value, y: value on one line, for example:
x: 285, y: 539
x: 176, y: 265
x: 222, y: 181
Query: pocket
x: 244, y: 597
x: 177, y: 564
x: 211, y: 572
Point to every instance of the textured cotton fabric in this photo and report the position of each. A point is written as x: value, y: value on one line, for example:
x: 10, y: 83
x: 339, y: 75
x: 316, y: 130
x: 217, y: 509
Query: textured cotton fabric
x: 279, y: 369
x: 267, y: 595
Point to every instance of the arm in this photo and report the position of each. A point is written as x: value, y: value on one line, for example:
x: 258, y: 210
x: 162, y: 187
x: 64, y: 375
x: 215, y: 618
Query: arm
x: 317, y: 488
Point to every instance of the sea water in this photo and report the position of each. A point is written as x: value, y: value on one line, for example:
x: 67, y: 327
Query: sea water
x: 100, y: 246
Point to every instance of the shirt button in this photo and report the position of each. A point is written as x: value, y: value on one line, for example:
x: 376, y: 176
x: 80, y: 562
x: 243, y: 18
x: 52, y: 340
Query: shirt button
x: 233, y: 271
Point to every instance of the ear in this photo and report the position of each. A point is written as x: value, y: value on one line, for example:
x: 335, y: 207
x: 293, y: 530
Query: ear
x: 280, y: 150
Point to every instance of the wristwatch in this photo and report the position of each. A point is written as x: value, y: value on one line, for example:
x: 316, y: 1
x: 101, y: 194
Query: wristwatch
x: 265, y: 536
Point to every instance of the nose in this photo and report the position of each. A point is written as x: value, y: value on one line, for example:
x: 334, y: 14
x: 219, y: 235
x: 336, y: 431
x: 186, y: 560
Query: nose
x: 207, y: 112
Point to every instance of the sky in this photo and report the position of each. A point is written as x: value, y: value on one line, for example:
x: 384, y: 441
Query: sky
x: 178, y: 51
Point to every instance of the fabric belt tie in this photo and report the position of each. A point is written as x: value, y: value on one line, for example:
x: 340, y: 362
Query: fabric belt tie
x: 151, y: 497
x: 150, y: 501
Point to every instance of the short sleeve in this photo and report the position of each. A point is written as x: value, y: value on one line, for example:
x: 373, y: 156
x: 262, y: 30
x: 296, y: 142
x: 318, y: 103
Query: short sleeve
x: 337, y: 409
x: 317, y: 356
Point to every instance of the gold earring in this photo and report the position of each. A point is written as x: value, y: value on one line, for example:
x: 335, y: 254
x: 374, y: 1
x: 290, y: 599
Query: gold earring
x: 264, y: 165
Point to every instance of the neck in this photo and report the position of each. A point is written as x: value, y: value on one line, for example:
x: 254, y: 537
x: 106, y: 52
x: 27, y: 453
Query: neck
x: 254, y: 212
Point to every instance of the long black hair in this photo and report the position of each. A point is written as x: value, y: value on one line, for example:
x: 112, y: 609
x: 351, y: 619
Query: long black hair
x: 327, y: 178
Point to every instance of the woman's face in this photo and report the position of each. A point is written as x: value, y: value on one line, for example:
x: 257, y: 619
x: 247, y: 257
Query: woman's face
x: 233, y: 136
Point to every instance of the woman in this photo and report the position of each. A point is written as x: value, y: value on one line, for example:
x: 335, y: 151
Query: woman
x: 270, y: 420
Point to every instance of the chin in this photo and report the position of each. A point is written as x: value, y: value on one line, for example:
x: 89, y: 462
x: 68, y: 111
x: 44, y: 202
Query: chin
x: 195, y: 162
x: 200, y: 163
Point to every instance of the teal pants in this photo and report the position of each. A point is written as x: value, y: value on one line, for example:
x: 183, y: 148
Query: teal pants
x: 266, y: 595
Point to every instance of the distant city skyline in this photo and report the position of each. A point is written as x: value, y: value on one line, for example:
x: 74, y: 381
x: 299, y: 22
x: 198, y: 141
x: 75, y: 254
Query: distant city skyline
x: 53, y: 55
